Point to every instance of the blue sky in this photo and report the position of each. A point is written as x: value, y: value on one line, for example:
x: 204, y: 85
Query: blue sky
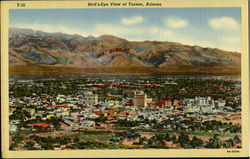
x: 207, y: 27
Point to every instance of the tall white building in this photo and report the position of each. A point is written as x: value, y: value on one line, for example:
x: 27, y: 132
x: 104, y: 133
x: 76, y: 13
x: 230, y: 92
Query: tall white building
x: 200, y: 104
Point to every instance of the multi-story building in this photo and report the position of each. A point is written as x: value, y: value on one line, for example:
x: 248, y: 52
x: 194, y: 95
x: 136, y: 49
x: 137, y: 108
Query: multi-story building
x: 199, y: 104
x: 90, y: 98
x: 164, y: 102
x: 140, y: 99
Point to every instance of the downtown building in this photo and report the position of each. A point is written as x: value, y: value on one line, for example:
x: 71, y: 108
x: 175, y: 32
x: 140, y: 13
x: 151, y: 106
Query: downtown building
x: 199, y: 104
x: 140, y: 99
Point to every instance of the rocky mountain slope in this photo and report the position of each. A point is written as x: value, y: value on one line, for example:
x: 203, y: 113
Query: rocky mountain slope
x: 29, y: 47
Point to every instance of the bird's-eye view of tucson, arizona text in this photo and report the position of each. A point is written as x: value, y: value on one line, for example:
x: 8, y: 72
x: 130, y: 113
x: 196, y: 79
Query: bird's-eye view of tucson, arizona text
x: 124, y: 78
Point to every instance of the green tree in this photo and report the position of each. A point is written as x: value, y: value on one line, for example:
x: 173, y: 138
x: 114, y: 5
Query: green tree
x: 142, y: 140
x: 174, y: 139
x: 30, y: 145
x: 183, y: 139
x: 236, y: 138
x: 167, y: 137
x: 196, y: 142
x: 101, y: 119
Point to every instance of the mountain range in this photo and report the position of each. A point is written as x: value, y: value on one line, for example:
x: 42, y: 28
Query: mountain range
x: 30, y: 49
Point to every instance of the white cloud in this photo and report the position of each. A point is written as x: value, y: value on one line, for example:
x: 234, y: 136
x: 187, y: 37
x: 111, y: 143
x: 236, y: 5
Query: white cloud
x: 97, y: 30
x: 231, y: 40
x: 169, y: 35
x: 231, y: 43
x: 186, y: 40
x: 116, y: 30
x: 166, y: 35
x: 225, y: 43
x: 154, y: 30
x: 50, y: 28
x: 176, y: 23
x: 132, y: 20
x: 226, y: 23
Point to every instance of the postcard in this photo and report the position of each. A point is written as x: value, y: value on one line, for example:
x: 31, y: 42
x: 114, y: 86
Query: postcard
x: 124, y: 79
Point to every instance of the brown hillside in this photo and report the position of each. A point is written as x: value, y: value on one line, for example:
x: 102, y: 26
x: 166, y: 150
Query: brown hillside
x: 17, y: 59
x: 120, y: 61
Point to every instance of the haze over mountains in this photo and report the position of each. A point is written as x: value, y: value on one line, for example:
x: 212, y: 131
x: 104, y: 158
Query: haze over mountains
x: 55, y: 51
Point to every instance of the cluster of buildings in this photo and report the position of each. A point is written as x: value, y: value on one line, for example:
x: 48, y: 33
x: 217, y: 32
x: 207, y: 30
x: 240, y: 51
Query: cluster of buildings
x: 68, y: 108
x: 83, y: 108
x: 203, y: 105
x: 196, y: 105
